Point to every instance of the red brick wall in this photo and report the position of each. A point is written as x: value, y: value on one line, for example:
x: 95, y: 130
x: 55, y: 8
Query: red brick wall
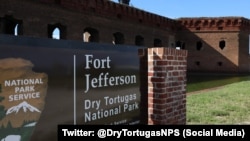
x: 208, y: 57
x: 233, y: 58
x: 104, y: 16
x: 108, y: 18
x: 166, y: 80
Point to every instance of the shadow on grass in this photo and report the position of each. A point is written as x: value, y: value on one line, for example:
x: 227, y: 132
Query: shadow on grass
x: 200, y: 81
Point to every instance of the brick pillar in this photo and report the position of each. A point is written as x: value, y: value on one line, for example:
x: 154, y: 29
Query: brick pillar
x: 166, y: 80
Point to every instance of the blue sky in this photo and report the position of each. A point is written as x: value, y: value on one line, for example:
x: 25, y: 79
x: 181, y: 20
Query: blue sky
x: 194, y: 8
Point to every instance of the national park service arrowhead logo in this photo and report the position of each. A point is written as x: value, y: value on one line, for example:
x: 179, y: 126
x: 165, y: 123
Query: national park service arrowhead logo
x: 24, y: 106
x: 22, y: 98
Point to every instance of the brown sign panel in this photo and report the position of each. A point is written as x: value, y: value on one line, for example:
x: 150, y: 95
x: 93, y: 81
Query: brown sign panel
x: 46, y: 82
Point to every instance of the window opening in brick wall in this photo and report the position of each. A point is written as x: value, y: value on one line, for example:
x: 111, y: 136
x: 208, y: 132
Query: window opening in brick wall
x: 90, y: 35
x: 180, y: 45
x: 56, y: 31
x: 197, y: 63
x: 16, y: 30
x: 199, y: 45
x: 205, y: 23
x: 139, y: 40
x: 220, y: 28
x: 119, y: 16
x: 86, y: 36
x: 11, y: 25
x: 183, y: 45
x: 222, y: 44
x: 198, y: 28
x: 212, y: 23
x: 157, y: 42
x: 118, y: 38
x: 235, y: 22
x: 229, y: 22
x: 219, y: 64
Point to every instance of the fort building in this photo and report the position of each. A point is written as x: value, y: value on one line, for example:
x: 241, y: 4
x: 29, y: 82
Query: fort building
x: 214, y: 44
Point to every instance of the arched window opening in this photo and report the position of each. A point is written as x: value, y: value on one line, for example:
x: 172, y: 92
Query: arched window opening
x: 56, y: 31
x: 157, y: 43
x: 86, y: 37
x: 118, y: 38
x: 222, y: 44
x: 16, y: 30
x: 139, y: 40
x: 212, y: 23
x: 220, y: 23
x: 90, y: 35
x: 11, y: 26
x: 199, y: 45
x: 180, y: 45
x: 198, y: 23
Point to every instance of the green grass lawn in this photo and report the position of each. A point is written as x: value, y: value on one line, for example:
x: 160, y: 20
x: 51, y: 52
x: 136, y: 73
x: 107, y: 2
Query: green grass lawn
x: 229, y: 104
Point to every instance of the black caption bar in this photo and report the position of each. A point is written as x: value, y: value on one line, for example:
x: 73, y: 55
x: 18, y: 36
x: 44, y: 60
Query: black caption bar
x: 173, y: 132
